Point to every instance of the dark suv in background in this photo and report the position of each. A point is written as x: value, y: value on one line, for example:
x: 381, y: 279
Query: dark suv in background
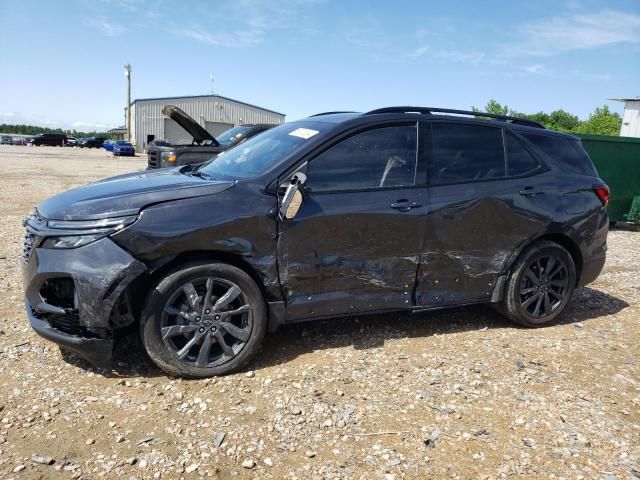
x: 400, y: 208
x: 91, y: 142
x: 204, y: 145
x: 49, y: 139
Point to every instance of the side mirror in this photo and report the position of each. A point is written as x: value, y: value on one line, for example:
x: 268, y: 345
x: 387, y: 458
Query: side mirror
x: 292, y: 198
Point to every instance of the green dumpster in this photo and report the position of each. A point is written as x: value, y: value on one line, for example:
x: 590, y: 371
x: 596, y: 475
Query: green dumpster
x: 618, y: 162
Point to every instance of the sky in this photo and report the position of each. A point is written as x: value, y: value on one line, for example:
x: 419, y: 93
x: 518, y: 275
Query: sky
x: 62, y: 62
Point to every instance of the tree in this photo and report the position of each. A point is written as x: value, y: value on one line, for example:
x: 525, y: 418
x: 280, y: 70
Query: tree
x: 601, y: 122
x: 564, y: 121
x: 34, y: 130
x: 493, y: 107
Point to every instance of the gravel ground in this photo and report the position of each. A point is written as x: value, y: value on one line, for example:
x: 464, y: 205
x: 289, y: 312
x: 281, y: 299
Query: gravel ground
x: 455, y: 394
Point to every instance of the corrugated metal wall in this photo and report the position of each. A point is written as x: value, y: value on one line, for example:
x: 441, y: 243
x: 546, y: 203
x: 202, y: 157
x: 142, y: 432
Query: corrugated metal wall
x: 631, y: 120
x: 147, y: 117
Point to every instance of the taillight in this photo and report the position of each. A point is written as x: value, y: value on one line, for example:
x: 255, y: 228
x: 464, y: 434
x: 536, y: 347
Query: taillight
x: 603, y: 193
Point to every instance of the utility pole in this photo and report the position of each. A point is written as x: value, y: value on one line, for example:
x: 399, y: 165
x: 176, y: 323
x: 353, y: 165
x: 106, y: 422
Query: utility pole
x: 211, y: 78
x: 127, y: 73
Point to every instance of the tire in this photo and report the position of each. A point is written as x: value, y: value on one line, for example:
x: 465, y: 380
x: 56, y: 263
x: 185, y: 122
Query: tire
x: 228, y: 327
x: 538, y: 288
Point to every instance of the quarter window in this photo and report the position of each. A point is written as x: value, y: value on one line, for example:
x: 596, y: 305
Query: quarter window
x: 378, y: 158
x: 568, y: 153
x: 520, y: 161
x: 462, y: 153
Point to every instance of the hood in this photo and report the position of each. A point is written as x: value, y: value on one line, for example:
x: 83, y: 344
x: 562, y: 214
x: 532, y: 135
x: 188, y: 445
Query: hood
x: 126, y: 194
x: 192, y: 127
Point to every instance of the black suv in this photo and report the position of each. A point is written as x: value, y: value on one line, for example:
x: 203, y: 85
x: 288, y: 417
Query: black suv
x: 91, y: 142
x: 49, y: 139
x: 338, y: 214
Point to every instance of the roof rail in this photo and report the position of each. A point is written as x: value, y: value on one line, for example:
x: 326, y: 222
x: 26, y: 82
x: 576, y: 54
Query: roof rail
x: 330, y: 113
x: 430, y: 110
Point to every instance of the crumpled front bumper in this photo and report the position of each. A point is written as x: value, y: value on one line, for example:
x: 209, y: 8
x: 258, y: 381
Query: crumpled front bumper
x: 100, y: 272
x: 96, y: 350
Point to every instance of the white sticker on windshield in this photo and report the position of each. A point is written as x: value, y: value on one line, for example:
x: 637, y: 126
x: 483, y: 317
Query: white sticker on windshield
x: 305, y: 133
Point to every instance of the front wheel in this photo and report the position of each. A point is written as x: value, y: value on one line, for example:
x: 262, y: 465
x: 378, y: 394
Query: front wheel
x: 540, y: 285
x: 204, y: 320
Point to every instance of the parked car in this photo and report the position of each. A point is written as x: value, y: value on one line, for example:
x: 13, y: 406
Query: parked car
x: 71, y: 141
x: 203, y: 147
x: 108, y: 145
x: 5, y: 140
x: 122, y: 147
x: 20, y: 140
x: 49, y: 139
x: 91, y: 142
x: 337, y: 214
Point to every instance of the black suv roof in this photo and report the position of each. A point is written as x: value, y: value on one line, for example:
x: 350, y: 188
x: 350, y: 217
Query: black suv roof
x: 448, y: 113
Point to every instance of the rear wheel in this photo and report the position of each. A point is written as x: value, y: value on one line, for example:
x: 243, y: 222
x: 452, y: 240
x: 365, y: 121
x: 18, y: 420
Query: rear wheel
x: 540, y: 285
x: 204, y: 320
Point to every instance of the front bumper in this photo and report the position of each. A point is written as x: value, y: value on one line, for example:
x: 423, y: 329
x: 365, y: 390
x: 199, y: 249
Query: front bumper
x: 96, y: 350
x: 100, y: 272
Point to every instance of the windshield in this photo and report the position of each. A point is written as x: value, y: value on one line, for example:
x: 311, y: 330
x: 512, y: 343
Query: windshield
x: 232, y: 135
x: 122, y: 142
x: 260, y: 153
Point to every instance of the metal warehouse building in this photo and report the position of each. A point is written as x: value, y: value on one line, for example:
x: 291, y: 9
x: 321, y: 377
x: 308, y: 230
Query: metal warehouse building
x: 213, y: 112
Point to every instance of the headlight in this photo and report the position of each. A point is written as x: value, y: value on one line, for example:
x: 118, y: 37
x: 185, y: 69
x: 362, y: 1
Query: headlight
x: 72, y: 241
x: 78, y: 233
x: 168, y: 159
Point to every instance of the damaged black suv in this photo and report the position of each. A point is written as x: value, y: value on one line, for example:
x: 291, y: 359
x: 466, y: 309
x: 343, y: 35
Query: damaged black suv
x: 337, y: 214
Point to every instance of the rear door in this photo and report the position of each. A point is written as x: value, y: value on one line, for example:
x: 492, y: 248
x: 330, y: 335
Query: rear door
x: 488, y: 197
x: 355, y: 242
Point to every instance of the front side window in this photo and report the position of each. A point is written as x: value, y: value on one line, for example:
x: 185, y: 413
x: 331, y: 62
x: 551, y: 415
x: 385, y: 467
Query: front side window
x: 462, y: 153
x: 379, y: 158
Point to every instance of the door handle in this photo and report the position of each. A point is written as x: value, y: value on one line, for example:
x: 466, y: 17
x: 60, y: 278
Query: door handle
x: 404, y: 205
x: 531, y: 192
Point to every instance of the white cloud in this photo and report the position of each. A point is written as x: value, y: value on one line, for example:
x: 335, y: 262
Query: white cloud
x: 418, y: 52
x: 248, y: 22
x: 105, y: 26
x: 599, y: 77
x: 92, y: 126
x: 577, y: 32
x: 536, y: 68
x: 459, y: 56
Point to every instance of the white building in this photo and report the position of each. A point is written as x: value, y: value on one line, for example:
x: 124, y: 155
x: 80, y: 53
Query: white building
x: 215, y: 113
x: 631, y: 117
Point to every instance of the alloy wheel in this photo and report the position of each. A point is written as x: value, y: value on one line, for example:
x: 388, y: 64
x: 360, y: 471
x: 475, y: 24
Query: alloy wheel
x: 206, y: 322
x: 544, y: 286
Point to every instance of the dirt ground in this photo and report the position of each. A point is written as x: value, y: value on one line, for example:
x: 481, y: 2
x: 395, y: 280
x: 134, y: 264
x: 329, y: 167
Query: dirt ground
x: 457, y: 394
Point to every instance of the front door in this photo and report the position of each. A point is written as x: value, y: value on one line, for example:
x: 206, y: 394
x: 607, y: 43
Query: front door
x: 355, y: 242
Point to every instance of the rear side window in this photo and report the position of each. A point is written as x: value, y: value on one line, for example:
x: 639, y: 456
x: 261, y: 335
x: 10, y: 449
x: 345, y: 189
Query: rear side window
x: 568, y: 153
x: 465, y: 152
x: 378, y: 158
x: 520, y: 160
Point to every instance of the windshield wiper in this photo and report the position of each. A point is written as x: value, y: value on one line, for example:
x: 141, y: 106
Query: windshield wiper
x: 201, y: 174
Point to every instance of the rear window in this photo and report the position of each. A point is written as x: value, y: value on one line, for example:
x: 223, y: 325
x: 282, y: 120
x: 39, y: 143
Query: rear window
x: 462, y: 153
x: 520, y: 161
x: 568, y: 153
